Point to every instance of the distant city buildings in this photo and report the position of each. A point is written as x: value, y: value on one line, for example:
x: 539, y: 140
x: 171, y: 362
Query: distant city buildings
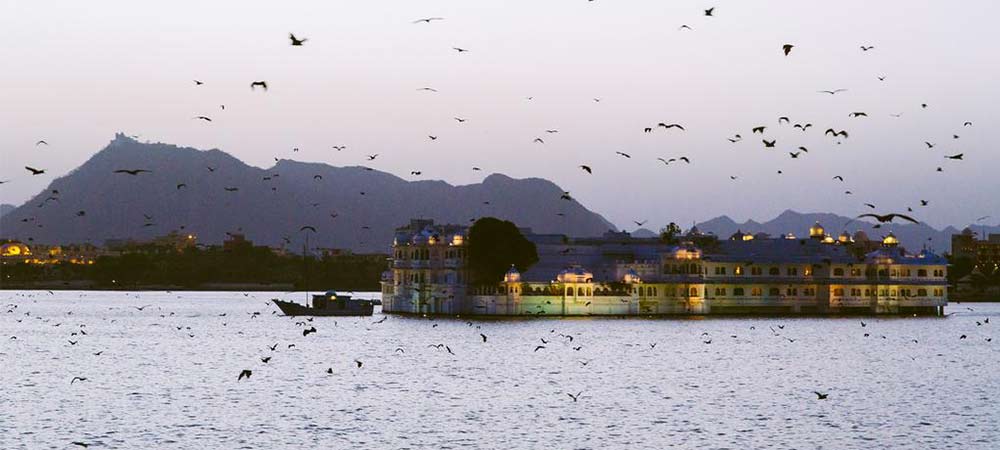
x: 984, y: 253
x: 693, y: 273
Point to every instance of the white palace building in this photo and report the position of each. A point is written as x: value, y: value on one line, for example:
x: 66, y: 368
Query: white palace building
x: 698, y: 274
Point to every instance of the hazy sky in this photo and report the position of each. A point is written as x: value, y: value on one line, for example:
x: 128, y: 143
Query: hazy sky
x: 76, y: 72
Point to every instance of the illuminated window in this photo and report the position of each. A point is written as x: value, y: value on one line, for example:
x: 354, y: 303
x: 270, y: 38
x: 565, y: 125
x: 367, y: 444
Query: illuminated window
x: 855, y: 272
x: 807, y: 271
x: 738, y: 270
x: 839, y: 292
x: 756, y: 292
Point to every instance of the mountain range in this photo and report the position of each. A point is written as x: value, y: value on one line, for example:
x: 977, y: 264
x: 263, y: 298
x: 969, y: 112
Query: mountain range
x: 912, y: 236
x: 211, y: 193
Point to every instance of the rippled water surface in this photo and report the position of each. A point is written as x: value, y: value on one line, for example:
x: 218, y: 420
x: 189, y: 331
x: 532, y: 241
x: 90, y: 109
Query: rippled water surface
x: 166, y: 377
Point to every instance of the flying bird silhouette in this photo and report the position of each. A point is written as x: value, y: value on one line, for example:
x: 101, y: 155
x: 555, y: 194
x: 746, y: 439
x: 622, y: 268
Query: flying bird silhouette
x: 957, y: 156
x: 428, y: 20
x: 586, y: 168
x: 296, y: 41
x: 835, y: 91
x: 888, y: 218
x: 245, y: 373
x: 255, y: 84
x: 787, y: 48
x: 34, y: 171
x: 133, y: 172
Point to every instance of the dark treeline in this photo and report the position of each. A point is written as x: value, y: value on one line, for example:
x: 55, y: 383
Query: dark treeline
x: 193, y: 267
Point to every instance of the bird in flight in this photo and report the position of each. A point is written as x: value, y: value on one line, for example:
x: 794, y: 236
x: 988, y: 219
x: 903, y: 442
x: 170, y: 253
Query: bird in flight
x: 783, y: 119
x: 833, y: 91
x: 415, y: 172
x: 769, y: 144
x: 428, y: 20
x: 838, y: 177
x: 433, y: 138
x: 639, y: 224
x: 888, y: 218
x: 372, y: 157
x: 308, y: 227
x: 133, y: 172
x: 626, y: 155
x: 574, y: 397
x: 75, y: 379
x: 684, y: 27
x: 205, y: 118
x: 929, y: 145
x: 866, y: 48
x: 831, y: 131
x: 460, y: 120
x: 460, y: 50
x: 245, y: 373
x: 539, y: 141
x: 427, y: 89
x: 958, y: 156
x: 586, y: 169
x: 262, y: 84
x: 966, y: 124
x: 820, y: 396
x: 787, y: 48
x: 231, y: 189
x: 758, y: 129
x: 709, y: 11
x: 672, y: 125
x: 46, y: 143
x: 339, y: 147
x: 296, y: 41
x: 858, y: 114
x: 794, y: 155
x: 34, y: 171
x: 198, y: 83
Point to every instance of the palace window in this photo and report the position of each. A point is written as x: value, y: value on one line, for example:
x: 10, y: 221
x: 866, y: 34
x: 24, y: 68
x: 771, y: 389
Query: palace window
x: 807, y: 271
x: 893, y: 292
x: 868, y: 292
x: 855, y: 272
x: 809, y: 291
x: 738, y: 270
x: 838, y: 272
x: 792, y: 271
x: 738, y: 292
x: 855, y: 292
x: 774, y: 271
x: 720, y: 270
x: 838, y: 292
x: 894, y: 273
x: 756, y: 292
x: 921, y: 272
x: 720, y: 291
x: 921, y: 292
x: 756, y: 271
x: 693, y: 292
x: 794, y: 292
x: 774, y: 292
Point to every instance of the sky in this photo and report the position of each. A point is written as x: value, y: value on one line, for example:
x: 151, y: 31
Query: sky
x: 74, y: 73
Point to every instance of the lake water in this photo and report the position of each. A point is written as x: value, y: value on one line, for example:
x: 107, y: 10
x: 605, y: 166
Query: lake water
x: 166, y: 377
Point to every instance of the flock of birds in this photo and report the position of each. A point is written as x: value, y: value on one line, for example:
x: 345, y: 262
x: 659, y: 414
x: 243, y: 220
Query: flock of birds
x: 767, y: 141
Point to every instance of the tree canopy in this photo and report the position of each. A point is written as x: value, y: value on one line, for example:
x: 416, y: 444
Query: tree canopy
x: 495, y: 245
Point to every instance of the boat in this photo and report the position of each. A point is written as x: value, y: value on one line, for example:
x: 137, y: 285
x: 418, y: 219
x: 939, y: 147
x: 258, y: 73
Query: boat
x: 328, y: 304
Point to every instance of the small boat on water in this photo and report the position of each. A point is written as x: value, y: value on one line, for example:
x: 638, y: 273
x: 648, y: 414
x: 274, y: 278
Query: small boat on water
x: 327, y: 304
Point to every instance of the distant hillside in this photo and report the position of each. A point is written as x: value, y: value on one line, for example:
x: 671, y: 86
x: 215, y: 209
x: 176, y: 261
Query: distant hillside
x: 912, y: 236
x: 350, y: 207
x: 6, y: 208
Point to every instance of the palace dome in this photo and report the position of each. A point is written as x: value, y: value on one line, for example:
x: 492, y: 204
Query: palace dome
x: 816, y: 231
x: 512, y: 275
x: 890, y: 240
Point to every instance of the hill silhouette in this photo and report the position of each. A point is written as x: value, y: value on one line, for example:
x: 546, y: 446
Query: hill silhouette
x: 350, y: 207
x: 912, y: 236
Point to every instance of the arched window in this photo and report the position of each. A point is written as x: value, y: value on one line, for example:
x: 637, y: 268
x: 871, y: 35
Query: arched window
x: 773, y: 271
x: 921, y: 292
x: 579, y: 292
x: 738, y: 292
x: 838, y: 272
x: 693, y: 292
x: 569, y: 292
